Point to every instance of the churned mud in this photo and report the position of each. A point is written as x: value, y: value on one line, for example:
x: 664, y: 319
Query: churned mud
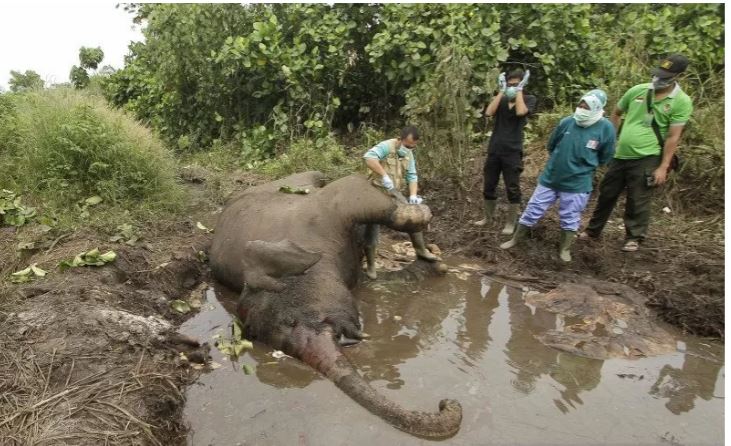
x: 92, y: 355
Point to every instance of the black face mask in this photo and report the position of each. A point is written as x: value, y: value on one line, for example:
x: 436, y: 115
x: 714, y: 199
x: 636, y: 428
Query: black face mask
x: 659, y: 83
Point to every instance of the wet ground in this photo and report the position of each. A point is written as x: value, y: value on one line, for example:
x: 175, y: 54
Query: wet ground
x: 468, y: 338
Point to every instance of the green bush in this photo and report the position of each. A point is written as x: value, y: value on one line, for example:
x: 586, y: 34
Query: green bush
x: 63, y: 146
x: 324, y: 154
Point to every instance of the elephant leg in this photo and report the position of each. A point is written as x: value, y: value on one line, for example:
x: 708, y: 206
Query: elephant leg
x: 417, y: 239
x: 371, y: 242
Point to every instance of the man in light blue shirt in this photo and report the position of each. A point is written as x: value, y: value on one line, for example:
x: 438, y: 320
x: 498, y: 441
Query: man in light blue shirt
x: 390, y: 163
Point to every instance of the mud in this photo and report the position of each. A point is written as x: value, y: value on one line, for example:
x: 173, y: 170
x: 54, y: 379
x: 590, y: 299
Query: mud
x: 679, y: 270
x: 86, y: 356
x: 469, y: 337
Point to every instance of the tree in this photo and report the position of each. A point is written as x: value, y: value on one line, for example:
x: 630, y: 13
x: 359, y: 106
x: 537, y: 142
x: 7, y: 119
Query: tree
x: 30, y: 80
x: 79, y: 77
x: 90, y: 57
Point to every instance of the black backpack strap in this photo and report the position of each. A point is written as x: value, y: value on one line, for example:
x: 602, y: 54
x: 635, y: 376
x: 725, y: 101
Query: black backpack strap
x: 675, y: 162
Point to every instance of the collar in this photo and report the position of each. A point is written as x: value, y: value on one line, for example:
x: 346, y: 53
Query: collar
x: 675, y: 91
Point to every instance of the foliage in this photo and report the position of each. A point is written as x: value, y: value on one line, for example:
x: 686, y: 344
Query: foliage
x: 440, y: 106
x: 324, y: 154
x: 30, y: 80
x: 13, y: 212
x: 90, y: 58
x: 79, y: 77
x: 265, y: 81
x: 62, y: 147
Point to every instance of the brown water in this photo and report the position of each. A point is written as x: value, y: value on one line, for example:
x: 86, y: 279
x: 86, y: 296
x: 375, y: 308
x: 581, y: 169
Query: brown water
x: 470, y: 339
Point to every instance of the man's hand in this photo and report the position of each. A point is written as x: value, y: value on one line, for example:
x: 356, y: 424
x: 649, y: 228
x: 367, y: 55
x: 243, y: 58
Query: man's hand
x: 524, y: 81
x: 415, y: 199
x: 387, y: 182
x: 661, y: 175
x: 502, y: 82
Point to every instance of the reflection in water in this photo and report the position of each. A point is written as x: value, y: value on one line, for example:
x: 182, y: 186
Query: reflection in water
x: 697, y: 378
x: 472, y: 340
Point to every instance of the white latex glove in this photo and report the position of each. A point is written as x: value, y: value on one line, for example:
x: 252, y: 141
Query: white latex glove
x: 523, y: 82
x: 502, y: 82
x: 415, y: 199
x: 387, y: 182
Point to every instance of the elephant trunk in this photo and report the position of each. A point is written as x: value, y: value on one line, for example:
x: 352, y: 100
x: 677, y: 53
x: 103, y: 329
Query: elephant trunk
x: 320, y: 351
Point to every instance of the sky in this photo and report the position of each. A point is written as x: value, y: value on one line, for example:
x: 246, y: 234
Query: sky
x: 46, y: 37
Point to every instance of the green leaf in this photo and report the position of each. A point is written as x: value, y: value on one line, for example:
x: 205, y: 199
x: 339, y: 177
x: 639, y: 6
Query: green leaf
x: 180, y: 306
x: 293, y: 190
x: 247, y: 369
x: 200, y: 226
x: 38, y: 271
x: 93, y: 201
x: 108, y: 256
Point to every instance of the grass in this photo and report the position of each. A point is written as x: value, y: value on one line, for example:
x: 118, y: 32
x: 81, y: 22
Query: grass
x: 59, y: 147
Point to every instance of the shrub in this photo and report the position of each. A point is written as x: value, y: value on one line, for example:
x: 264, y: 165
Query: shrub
x: 62, y: 146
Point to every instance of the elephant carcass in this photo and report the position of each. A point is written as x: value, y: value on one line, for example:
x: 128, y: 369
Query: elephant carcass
x: 296, y: 257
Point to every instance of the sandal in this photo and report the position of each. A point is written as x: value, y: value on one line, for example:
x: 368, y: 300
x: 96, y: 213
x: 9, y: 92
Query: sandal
x: 631, y: 246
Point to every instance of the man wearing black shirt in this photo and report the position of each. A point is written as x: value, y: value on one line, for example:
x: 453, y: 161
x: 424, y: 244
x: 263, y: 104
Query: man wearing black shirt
x: 511, y: 108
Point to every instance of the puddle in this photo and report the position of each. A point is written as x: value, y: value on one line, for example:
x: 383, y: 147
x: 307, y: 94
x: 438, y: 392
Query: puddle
x: 470, y: 339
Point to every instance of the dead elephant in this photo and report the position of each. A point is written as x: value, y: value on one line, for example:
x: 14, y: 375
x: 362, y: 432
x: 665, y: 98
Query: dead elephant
x: 296, y: 257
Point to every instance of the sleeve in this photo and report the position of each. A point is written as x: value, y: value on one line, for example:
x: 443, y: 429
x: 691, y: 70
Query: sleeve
x: 556, y: 135
x: 624, y: 102
x: 681, y: 112
x: 379, y: 151
x: 609, y: 141
x: 530, y: 102
x: 411, y: 176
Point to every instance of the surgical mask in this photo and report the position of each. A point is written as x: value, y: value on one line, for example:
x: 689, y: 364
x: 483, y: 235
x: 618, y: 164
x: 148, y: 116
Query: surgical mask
x: 511, y: 92
x: 659, y: 84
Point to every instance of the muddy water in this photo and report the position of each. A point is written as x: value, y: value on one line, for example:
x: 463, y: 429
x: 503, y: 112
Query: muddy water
x: 466, y: 338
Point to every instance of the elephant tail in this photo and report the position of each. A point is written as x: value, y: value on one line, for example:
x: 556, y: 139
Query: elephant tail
x: 320, y: 351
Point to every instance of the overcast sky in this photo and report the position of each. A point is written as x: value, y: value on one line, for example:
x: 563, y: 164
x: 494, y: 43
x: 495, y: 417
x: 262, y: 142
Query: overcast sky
x: 46, y: 37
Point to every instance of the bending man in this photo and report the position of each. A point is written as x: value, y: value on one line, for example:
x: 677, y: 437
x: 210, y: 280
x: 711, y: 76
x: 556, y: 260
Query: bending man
x: 390, y: 163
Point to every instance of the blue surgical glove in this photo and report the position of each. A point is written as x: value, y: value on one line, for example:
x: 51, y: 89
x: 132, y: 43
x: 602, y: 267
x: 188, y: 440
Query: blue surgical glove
x: 502, y: 82
x: 387, y: 182
x: 524, y: 81
x: 415, y: 199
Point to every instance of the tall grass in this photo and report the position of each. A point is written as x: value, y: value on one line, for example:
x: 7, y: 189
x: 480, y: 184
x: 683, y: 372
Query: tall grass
x: 59, y: 147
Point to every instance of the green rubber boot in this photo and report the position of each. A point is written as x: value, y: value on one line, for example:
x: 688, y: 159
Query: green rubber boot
x: 489, y: 212
x: 520, y: 232
x: 417, y: 239
x: 371, y: 262
x: 511, y: 219
x: 564, y: 251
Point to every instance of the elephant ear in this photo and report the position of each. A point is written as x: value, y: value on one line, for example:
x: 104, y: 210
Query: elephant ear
x: 264, y: 262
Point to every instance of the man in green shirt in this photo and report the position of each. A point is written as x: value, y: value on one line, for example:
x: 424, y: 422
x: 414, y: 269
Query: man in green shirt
x: 640, y: 163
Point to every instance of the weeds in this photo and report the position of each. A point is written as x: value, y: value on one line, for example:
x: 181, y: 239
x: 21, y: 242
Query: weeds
x: 62, y: 147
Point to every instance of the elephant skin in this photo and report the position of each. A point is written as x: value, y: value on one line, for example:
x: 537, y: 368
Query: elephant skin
x: 295, y: 259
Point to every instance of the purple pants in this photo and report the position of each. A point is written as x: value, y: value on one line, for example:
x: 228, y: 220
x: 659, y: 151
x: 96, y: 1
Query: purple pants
x: 571, y: 205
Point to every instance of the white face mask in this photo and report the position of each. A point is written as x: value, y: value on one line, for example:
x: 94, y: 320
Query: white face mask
x: 585, y: 118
